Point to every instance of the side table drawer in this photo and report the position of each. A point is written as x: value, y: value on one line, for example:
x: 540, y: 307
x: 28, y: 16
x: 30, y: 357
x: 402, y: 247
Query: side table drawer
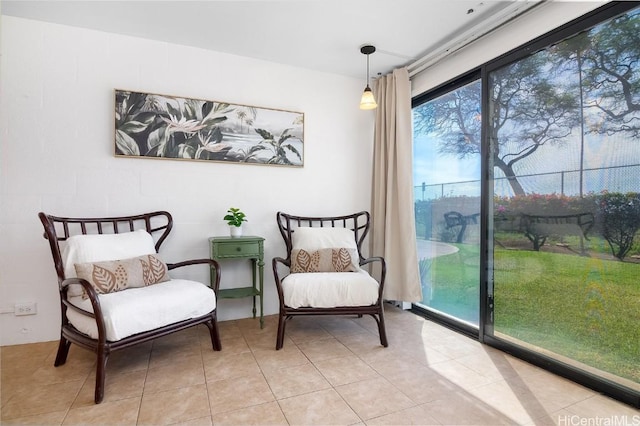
x: 237, y: 249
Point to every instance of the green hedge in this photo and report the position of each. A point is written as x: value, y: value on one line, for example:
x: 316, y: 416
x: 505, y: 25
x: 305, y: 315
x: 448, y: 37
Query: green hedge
x: 617, y: 215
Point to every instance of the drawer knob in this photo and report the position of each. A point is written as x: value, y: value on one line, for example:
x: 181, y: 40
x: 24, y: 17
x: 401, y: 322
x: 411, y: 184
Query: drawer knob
x: 238, y: 249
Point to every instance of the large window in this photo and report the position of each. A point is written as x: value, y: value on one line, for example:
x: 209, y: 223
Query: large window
x: 560, y: 126
x: 447, y: 193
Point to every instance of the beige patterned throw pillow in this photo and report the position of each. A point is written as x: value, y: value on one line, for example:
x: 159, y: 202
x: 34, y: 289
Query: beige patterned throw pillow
x: 322, y: 260
x: 117, y: 275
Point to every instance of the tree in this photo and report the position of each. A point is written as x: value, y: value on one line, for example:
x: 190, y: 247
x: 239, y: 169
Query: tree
x: 619, y: 216
x: 455, y: 119
x: 612, y: 74
x: 277, y: 146
x: 528, y: 109
x: 246, y: 115
x: 570, y: 52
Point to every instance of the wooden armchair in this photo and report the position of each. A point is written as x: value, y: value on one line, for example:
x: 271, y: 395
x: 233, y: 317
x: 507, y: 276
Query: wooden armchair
x: 324, y: 258
x: 124, y: 295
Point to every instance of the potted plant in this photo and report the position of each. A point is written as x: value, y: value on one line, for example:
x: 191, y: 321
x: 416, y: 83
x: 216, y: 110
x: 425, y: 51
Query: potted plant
x: 234, y: 218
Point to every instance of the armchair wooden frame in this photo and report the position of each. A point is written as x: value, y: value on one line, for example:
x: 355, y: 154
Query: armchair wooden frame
x: 158, y: 223
x: 359, y: 223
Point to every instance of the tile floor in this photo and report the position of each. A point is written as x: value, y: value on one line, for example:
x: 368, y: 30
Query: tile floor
x: 332, y: 371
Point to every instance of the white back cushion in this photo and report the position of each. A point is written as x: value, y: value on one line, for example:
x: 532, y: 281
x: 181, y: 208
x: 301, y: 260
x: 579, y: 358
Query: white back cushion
x: 103, y: 247
x: 307, y: 238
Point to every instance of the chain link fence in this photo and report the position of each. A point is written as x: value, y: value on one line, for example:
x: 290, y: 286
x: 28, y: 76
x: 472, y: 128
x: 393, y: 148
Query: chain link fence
x: 570, y: 182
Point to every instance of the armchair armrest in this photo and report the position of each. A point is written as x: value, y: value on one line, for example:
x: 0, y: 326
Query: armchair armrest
x: 209, y: 262
x: 285, y: 262
x: 92, y: 294
x: 383, y: 271
x: 274, y: 263
x: 374, y: 259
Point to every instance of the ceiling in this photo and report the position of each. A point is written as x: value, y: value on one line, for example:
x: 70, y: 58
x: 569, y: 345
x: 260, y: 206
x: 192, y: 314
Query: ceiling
x: 323, y: 35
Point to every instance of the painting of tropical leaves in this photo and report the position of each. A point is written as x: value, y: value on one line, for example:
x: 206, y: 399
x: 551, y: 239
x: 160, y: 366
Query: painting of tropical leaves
x: 161, y: 126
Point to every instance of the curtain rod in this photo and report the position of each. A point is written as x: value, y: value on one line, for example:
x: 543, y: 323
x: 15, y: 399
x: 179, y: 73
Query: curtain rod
x: 516, y: 8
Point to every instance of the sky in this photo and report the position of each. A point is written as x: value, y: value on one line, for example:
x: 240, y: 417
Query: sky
x: 600, y: 152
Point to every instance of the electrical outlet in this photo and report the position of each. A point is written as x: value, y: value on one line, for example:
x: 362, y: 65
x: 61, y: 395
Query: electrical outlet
x: 27, y: 308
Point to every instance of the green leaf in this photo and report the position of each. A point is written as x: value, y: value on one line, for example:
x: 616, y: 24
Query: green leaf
x: 193, y: 141
x: 157, y: 139
x: 133, y: 127
x: 293, y: 149
x: 207, y: 107
x: 186, y: 151
x: 235, y: 217
x: 125, y: 144
x: 174, y: 111
x: 170, y: 148
x: 135, y: 102
x: 190, y: 111
x: 145, y: 117
x: 212, y: 121
x: 257, y: 148
x: 265, y: 134
x: 216, y: 135
x: 221, y: 107
x: 284, y: 138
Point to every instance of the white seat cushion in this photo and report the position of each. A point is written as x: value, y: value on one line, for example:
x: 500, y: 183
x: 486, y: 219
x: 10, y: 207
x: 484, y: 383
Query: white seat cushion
x: 329, y: 289
x: 135, y: 310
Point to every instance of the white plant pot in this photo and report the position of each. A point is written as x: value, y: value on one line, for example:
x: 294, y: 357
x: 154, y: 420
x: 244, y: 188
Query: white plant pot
x: 235, y: 231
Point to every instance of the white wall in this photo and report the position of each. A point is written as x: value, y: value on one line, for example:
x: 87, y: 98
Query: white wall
x: 536, y: 22
x: 56, y: 154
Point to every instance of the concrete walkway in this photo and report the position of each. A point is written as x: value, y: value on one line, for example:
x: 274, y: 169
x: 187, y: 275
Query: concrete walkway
x: 429, y: 249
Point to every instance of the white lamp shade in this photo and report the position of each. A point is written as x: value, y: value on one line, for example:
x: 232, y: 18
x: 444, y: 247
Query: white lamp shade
x: 368, y: 101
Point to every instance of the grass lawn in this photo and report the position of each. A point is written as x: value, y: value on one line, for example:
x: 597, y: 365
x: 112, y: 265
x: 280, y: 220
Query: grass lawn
x: 454, y: 279
x: 584, y: 308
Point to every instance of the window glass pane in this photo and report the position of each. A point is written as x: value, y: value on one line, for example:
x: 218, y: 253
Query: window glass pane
x: 565, y: 156
x: 447, y: 201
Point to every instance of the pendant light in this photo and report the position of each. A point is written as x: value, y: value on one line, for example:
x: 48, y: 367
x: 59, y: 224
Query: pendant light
x: 368, y: 101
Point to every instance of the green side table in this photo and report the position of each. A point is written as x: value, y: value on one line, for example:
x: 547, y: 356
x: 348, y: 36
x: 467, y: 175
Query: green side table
x: 251, y: 248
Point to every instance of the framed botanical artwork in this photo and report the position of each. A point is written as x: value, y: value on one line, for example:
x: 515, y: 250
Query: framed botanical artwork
x: 160, y: 126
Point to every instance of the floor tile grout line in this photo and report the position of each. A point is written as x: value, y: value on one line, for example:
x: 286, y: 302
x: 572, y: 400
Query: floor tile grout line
x: 144, y: 383
x: 66, y: 414
x: 204, y: 375
x: 336, y: 390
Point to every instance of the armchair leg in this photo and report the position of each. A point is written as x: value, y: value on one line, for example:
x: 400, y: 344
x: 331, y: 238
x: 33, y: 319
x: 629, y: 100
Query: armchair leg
x: 63, y: 351
x: 281, y: 324
x: 215, y: 334
x: 103, y: 356
x: 381, y: 329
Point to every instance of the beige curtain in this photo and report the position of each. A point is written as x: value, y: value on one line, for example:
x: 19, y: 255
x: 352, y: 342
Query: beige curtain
x: 393, y: 226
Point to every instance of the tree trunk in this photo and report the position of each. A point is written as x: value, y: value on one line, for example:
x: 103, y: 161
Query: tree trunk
x: 510, y: 175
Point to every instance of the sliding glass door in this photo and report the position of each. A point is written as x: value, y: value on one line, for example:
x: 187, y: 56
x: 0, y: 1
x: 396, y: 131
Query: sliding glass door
x: 447, y: 200
x: 564, y: 136
x: 527, y: 201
